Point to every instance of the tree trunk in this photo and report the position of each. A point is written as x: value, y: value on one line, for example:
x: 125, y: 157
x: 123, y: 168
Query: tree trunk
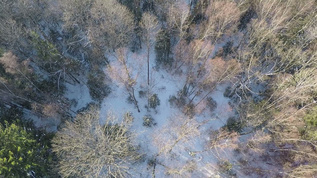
x: 134, y: 99
x: 148, y: 64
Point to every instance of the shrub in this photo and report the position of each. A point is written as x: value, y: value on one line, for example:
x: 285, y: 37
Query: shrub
x: 211, y: 103
x: 154, y: 101
x: 98, y: 89
x: 142, y: 94
x: 225, y: 167
x: 10, y: 114
x: 51, y: 85
x: 148, y: 121
x: 234, y: 125
x: 130, y: 99
x: 189, y: 109
x: 228, y: 92
x: 310, y: 130
x: 172, y: 100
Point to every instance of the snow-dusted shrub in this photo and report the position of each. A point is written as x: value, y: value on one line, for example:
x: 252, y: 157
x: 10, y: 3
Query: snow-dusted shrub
x: 154, y: 101
x: 189, y: 109
x: 142, y: 94
x: 148, y: 121
x: 130, y: 99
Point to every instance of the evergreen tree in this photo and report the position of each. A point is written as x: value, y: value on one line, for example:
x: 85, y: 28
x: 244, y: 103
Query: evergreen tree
x: 22, y: 152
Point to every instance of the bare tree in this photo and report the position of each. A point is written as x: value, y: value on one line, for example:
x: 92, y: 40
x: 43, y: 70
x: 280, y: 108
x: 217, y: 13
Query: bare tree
x: 76, y: 13
x: 84, y: 148
x: 150, y: 28
x: 180, y: 129
x: 107, y: 24
x: 112, y: 25
x: 222, y: 18
x: 121, y: 72
x: 179, y: 18
x: 175, y: 138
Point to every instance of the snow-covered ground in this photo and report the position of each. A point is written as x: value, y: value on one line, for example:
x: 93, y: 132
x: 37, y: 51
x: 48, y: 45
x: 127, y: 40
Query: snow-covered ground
x: 188, y: 149
x: 79, y: 93
x: 49, y: 124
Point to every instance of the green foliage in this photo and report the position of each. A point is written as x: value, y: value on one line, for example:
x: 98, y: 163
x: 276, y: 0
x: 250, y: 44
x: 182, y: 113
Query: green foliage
x: 46, y: 51
x: 258, y: 113
x: 3, y: 72
x: 310, y: 130
x: 50, y: 60
x: 9, y: 115
x: 225, y: 167
x: 154, y: 101
x: 163, y: 48
x: 228, y: 92
x: 1, y: 52
x: 295, y: 34
x: 50, y: 85
x: 96, y: 83
x: 148, y: 121
x: 234, y: 125
x: 23, y: 151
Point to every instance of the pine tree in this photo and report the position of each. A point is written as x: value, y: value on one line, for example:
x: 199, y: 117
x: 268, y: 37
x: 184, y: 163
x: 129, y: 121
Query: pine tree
x: 21, y: 153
